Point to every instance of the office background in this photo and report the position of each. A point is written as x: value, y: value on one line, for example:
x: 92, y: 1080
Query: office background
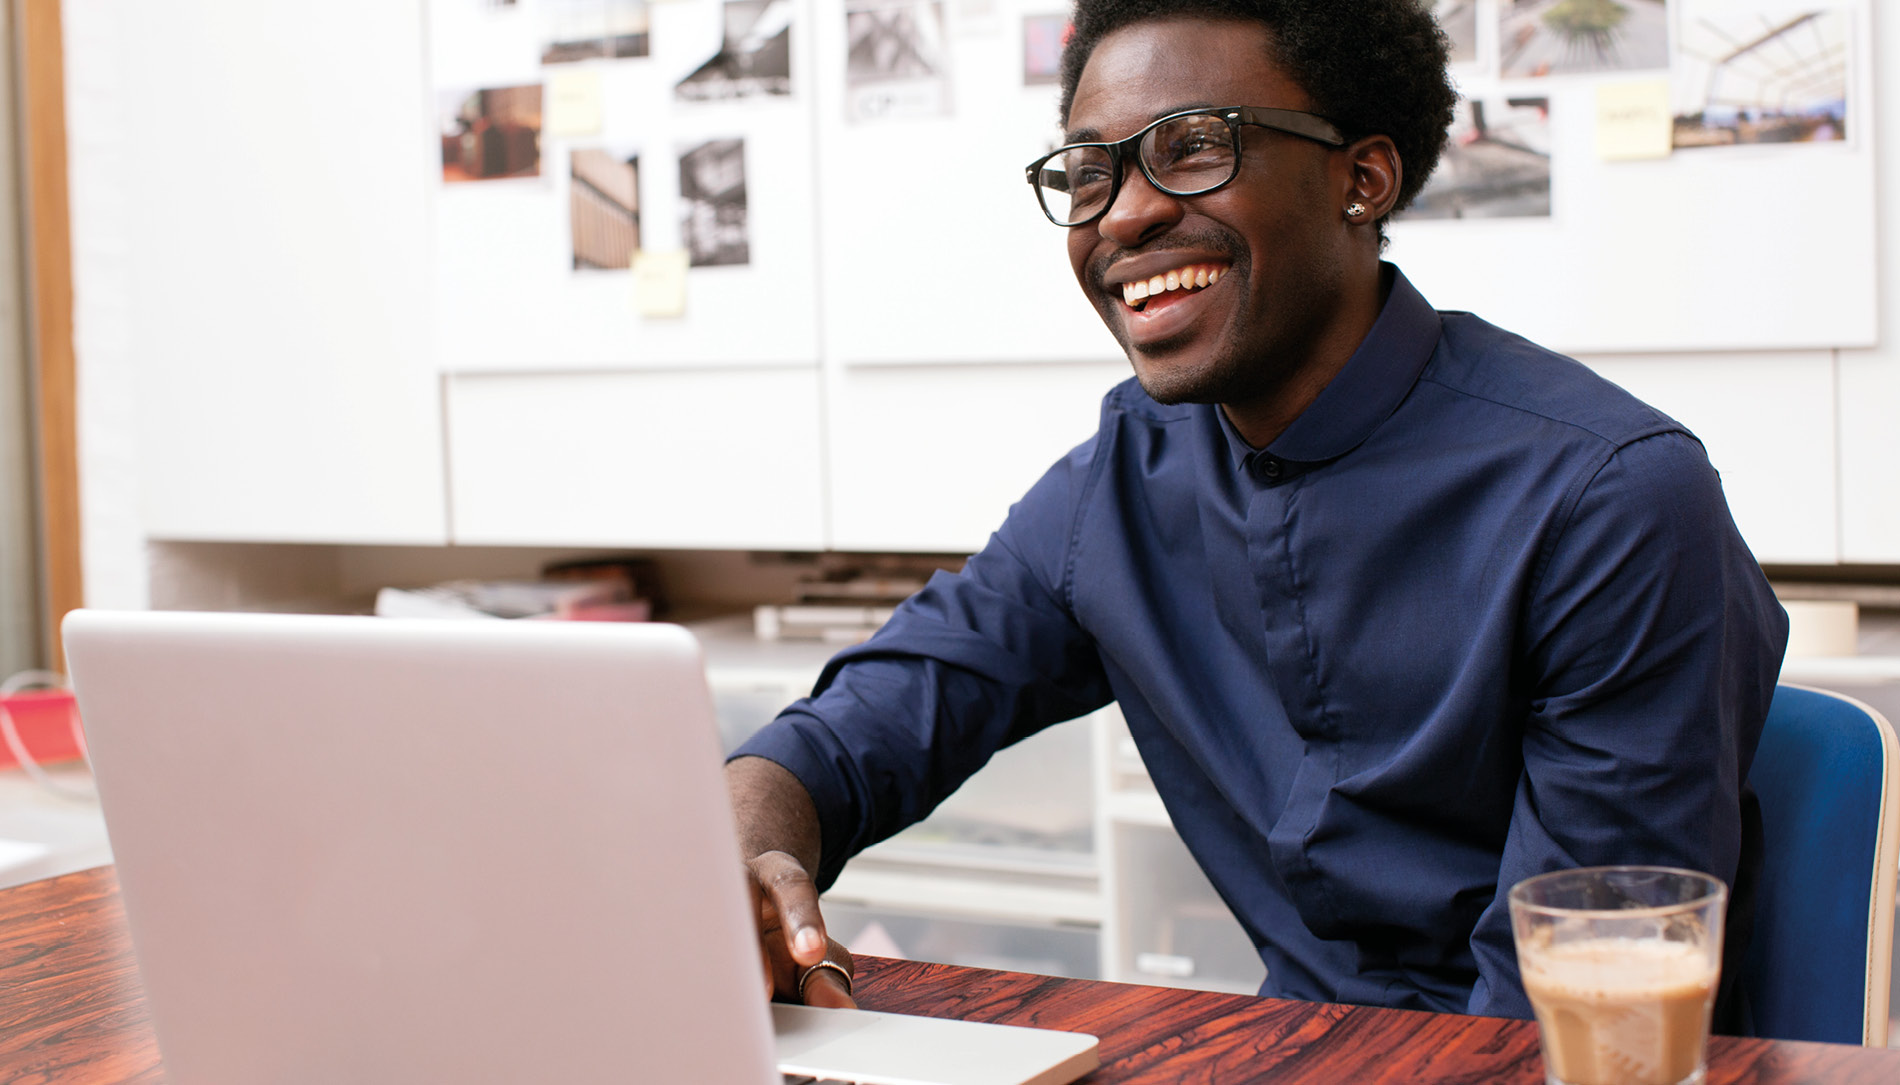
x: 319, y: 353
x: 290, y: 333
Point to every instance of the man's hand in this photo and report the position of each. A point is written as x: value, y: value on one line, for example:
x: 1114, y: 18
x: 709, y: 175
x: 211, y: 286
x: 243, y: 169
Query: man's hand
x: 801, y: 962
x: 778, y: 836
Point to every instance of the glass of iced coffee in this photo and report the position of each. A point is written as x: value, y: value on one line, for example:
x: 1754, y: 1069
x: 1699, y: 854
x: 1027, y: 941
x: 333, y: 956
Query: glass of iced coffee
x: 1621, y: 965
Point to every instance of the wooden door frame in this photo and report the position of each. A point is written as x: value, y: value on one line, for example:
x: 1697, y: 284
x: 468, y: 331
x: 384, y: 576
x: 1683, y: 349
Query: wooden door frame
x: 41, y: 59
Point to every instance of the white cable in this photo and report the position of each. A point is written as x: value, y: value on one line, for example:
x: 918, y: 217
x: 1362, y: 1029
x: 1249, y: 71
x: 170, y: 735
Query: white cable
x: 11, y: 736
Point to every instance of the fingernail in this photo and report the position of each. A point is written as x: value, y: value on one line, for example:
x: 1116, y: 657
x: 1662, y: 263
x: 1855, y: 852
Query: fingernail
x: 808, y: 941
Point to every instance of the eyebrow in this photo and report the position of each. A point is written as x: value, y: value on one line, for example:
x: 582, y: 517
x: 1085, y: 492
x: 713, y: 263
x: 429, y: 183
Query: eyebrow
x: 1094, y: 135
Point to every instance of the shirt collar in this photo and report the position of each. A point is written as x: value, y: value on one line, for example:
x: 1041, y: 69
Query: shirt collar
x: 1375, y: 380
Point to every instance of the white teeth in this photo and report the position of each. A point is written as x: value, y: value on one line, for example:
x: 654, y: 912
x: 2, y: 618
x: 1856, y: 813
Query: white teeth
x: 1187, y: 278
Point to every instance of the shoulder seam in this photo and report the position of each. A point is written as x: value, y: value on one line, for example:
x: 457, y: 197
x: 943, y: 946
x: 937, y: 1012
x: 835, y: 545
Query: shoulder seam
x: 1659, y: 424
x: 1573, y: 497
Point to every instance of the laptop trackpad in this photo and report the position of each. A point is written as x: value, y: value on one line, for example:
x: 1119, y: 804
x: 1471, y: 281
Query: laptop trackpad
x: 872, y: 1047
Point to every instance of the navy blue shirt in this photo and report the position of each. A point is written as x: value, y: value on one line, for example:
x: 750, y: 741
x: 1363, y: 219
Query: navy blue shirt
x: 1475, y: 615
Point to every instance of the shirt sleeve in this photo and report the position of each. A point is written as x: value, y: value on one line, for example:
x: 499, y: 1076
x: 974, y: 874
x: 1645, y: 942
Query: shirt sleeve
x: 974, y: 662
x: 1653, y: 644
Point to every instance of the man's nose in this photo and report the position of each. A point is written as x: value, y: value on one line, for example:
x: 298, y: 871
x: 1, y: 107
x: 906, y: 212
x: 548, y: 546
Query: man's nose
x: 1140, y: 210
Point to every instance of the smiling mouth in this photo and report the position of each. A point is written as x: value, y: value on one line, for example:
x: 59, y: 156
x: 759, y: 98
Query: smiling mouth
x: 1181, y: 281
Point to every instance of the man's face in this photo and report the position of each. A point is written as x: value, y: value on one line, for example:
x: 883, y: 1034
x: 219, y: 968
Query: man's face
x: 1275, y: 235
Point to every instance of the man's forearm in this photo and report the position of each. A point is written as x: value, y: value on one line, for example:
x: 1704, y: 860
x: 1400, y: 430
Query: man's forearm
x: 774, y: 811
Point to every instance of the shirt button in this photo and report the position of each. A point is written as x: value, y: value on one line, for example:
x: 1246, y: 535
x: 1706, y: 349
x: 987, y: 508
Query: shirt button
x: 1268, y: 468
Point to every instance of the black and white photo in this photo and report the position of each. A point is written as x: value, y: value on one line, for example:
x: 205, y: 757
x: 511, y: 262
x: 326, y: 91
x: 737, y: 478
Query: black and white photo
x: 897, y: 61
x: 755, y: 57
x: 713, y: 223
x: 1496, y: 163
x: 595, y: 30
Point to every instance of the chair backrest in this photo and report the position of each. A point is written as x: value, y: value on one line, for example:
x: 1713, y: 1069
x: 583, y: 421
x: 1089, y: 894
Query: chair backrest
x: 1828, y: 775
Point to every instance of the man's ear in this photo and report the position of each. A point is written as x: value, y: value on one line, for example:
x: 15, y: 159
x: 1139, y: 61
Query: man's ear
x: 1374, y: 176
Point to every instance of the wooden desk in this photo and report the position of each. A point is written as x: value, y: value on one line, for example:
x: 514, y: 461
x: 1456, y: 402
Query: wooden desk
x: 71, y: 1011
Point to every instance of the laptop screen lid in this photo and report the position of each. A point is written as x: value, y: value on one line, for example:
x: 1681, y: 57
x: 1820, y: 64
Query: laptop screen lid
x: 375, y: 850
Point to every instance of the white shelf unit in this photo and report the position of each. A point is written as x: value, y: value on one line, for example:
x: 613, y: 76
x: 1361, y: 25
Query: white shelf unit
x: 1057, y: 857
x: 1132, y: 905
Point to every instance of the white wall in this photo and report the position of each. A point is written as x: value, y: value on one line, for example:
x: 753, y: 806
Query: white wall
x: 1869, y: 380
x: 1803, y: 438
x: 99, y: 109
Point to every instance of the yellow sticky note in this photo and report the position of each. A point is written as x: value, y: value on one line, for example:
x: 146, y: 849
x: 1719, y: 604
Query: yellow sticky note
x: 659, y: 282
x: 573, y: 103
x: 1633, y: 120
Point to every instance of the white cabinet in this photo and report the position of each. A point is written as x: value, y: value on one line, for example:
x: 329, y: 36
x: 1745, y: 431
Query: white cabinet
x: 1768, y: 421
x: 1055, y: 858
x: 286, y: 307
x: 254, y: 259
x: 1163, y: 923
x: 1870, y: 379
x: 930, y: 458
x: 726, y: 459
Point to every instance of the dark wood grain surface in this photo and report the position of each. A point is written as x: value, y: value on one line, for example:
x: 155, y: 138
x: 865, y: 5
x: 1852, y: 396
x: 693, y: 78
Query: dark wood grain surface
x: 71, y: 1011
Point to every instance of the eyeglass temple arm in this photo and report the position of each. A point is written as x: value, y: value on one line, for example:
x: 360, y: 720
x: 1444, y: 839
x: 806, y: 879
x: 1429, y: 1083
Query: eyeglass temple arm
x: 1053, y: 179
x: 1309, y: 125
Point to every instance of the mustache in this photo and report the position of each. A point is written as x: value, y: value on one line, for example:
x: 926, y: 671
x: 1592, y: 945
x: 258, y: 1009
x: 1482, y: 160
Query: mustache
x: 1199, y: 240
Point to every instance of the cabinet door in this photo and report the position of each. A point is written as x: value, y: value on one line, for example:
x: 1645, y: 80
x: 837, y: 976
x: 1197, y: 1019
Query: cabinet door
x: 264, y: 271
x: 1768, y: 421
x: 930, y: 458
x: 725, y: 459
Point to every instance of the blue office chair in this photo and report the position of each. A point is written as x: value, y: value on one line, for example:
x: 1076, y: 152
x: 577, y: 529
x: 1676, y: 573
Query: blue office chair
x: 1828, y: 774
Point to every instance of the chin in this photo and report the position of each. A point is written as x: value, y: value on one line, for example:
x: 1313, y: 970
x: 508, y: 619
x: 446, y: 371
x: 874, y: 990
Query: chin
x: 1178, y: 380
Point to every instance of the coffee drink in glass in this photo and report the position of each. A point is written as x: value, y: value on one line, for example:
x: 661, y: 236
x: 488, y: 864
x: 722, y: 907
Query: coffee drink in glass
x: 1621, y: 966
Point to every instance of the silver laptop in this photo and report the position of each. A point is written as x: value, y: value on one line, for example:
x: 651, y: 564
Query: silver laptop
x: 375, y: 850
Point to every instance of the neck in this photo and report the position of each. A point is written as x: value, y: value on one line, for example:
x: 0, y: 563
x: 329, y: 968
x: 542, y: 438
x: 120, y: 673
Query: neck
x: 1261, y: 419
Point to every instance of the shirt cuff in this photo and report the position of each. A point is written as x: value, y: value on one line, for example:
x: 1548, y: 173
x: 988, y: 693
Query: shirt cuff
x: 802, y: 745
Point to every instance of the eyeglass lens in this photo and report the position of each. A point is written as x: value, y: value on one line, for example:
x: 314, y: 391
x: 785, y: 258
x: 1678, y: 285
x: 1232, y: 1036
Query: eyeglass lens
x: 1184, y: 155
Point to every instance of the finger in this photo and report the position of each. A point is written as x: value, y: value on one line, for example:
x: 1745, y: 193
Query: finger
x: 794, y: 896
x: 781, y: 972
x: 826, y: 989
x: 836, y: 951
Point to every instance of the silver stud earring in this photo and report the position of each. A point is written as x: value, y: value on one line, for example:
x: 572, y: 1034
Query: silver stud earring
x: 1354, y: 210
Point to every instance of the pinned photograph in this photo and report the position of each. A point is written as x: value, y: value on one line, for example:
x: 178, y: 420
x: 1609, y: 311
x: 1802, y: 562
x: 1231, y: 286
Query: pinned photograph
x: 1496, y: 163
x: 595, y: 30
x: 898, y: 60
x: 603, y: 208
x: 1568, y: 37
x: 1043, y: 39
x: 712, y: 203
x: 1459, y: 20
x: 755, y: 57
x: 1759, y: 78
x: 491, y: 134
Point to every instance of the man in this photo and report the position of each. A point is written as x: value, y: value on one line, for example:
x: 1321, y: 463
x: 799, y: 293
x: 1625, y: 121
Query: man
x: 1400, y: 608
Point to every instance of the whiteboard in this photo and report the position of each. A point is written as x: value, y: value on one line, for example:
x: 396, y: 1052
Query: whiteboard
x: 955, y: 263
x: 507, y: 296
x: 891, y: 224
x: 1762, y: 247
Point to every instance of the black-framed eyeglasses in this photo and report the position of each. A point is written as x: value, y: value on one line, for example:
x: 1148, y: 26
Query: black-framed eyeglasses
x: 1183, y: 154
